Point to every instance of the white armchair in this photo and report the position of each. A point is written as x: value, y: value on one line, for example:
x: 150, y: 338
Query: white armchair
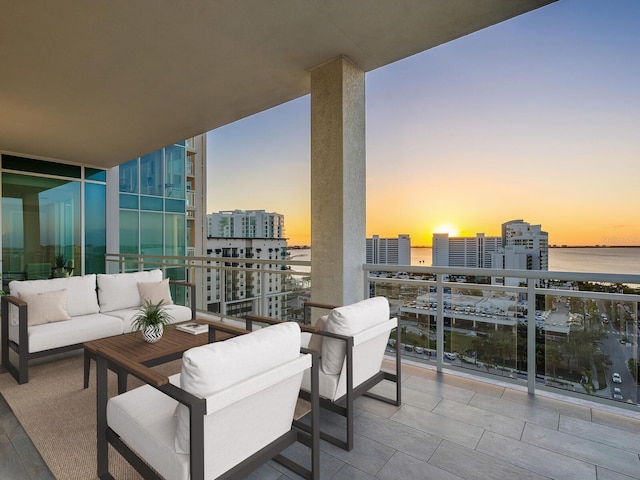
x: 229, y: 410
x: 352, y: 340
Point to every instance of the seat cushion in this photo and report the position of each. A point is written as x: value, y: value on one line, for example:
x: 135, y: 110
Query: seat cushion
x: 119, y: 291
x: 213, y: 367
x: 70, y: 332
x: 350, y: 320
x: 144, y: 418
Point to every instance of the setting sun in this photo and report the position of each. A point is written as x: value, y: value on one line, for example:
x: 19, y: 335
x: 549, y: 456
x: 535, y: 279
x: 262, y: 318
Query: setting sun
x: 446, y: 228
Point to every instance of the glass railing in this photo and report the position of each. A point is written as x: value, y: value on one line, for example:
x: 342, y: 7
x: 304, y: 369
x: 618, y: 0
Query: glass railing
x: 574, y: 333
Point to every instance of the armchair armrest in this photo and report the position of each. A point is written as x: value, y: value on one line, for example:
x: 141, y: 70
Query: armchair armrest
x: 249, y: 319
x: 192, y: 294
x: 215, y: 326
x: 307, y: 306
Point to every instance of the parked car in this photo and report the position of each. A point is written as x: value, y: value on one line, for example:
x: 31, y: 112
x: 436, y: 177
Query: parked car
x: 450, y: 356
x: 617, y: 393
x: 616, y: 378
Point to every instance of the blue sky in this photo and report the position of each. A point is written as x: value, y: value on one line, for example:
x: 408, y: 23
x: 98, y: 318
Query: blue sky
x: 535, y: 118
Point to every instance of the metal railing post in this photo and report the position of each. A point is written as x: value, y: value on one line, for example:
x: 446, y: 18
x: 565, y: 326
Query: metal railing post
x: 439, y: 322
x: 531, y: 336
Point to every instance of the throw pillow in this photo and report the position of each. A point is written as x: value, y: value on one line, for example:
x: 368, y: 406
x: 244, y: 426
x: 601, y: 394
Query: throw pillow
x: 155, y: 292
x: 46, y: 307
x: 316, y: 340
x: 348, y: 321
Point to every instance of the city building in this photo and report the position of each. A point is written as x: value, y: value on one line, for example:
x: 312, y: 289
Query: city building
x: 389, y: 251
x: 245, y: 234
x: 240, y: 291
x: 245, y: 224
x: 522, y: 246
x: 473, y: 252
x: 155, y: 202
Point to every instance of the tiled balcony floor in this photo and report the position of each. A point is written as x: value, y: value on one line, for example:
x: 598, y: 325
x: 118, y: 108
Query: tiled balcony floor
x: 450, y: 427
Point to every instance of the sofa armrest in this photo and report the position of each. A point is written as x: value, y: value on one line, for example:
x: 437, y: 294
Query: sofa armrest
x: 23, y: 336
x: 192, y: 294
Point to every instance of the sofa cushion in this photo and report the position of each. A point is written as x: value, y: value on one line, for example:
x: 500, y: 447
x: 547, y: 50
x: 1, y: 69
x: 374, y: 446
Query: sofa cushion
x: 213, y: 367
x: 120, y: 290
x: 70, y: 332
x: 350, y: 320
x: 155, y: 292
x: 46, y: 307
x: 81, y: 292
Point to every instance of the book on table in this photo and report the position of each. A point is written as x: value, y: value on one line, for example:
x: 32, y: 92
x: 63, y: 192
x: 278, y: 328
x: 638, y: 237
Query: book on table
x: 193, y: 328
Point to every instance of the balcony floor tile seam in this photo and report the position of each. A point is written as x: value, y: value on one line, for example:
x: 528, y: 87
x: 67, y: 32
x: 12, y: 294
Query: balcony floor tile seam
x: 578, y: 448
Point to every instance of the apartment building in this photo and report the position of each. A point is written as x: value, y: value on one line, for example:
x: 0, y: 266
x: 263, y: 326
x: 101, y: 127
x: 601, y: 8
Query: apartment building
x: 389, y: 251
x: 522, y: 246
x: 246, y: 235
x: 245, y: 224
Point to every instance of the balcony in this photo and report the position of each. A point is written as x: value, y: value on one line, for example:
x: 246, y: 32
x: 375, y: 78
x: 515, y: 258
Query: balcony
x: 511, y: 414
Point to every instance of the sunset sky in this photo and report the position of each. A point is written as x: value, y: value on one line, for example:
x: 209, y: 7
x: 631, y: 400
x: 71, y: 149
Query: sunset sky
x: 535, y: 118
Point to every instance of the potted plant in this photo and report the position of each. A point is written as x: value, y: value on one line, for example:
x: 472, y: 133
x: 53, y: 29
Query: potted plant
x: 151, y: 320
x: 59, y: 270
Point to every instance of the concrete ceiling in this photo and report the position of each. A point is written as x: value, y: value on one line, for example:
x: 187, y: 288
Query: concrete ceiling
x: 103, y: 81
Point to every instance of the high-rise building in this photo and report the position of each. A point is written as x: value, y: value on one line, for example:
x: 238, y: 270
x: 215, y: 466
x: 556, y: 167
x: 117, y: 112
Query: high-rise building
x: 240, y: 291
x: 471, y: 252
x: 389, y: 251
x: 245, y: 224
x: 246, y: 234
x: 521, y: 247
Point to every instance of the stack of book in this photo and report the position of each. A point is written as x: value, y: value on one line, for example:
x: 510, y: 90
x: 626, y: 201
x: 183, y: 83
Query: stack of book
x: 193, y: 328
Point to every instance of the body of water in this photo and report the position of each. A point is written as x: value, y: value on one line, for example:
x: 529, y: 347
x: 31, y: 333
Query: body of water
x: 590, y: 260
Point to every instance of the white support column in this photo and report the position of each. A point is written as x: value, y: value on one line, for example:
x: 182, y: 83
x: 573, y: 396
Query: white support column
x: 338, y: 186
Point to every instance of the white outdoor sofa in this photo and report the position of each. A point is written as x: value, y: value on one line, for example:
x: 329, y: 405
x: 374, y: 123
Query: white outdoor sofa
x: 43, y: 317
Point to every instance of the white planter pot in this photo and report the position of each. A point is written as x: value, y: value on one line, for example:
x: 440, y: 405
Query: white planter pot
x: 152, y: 333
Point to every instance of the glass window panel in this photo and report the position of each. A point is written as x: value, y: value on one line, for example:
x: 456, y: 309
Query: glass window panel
x: 151, y: 174
x: 129, y: 236
x: 11, y: 162
x: 151, y: 203
x: 174, y: 235
x: 40, y: 222
x: 129, y: 177
x: 174, y: 172
x: 95, y: 174
x: 150, y: 233
x: 95, y: 228
x: 128, y: 201
x: 177, y: 206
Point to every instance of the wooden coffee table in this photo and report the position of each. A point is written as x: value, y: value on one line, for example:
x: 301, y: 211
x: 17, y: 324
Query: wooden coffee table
x: 171, y: 346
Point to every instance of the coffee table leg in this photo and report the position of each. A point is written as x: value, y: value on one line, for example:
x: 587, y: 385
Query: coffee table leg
x: 122, y: 380
x: 87, y: 367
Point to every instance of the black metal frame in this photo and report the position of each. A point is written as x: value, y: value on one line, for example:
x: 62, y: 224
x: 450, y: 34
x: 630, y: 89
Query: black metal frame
x: 21, y: 372
x: 344, y: 405
x: 197, y: 410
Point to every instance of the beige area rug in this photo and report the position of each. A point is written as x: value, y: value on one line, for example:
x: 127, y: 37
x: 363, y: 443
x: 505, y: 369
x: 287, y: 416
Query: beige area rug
x: 60, y: 416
